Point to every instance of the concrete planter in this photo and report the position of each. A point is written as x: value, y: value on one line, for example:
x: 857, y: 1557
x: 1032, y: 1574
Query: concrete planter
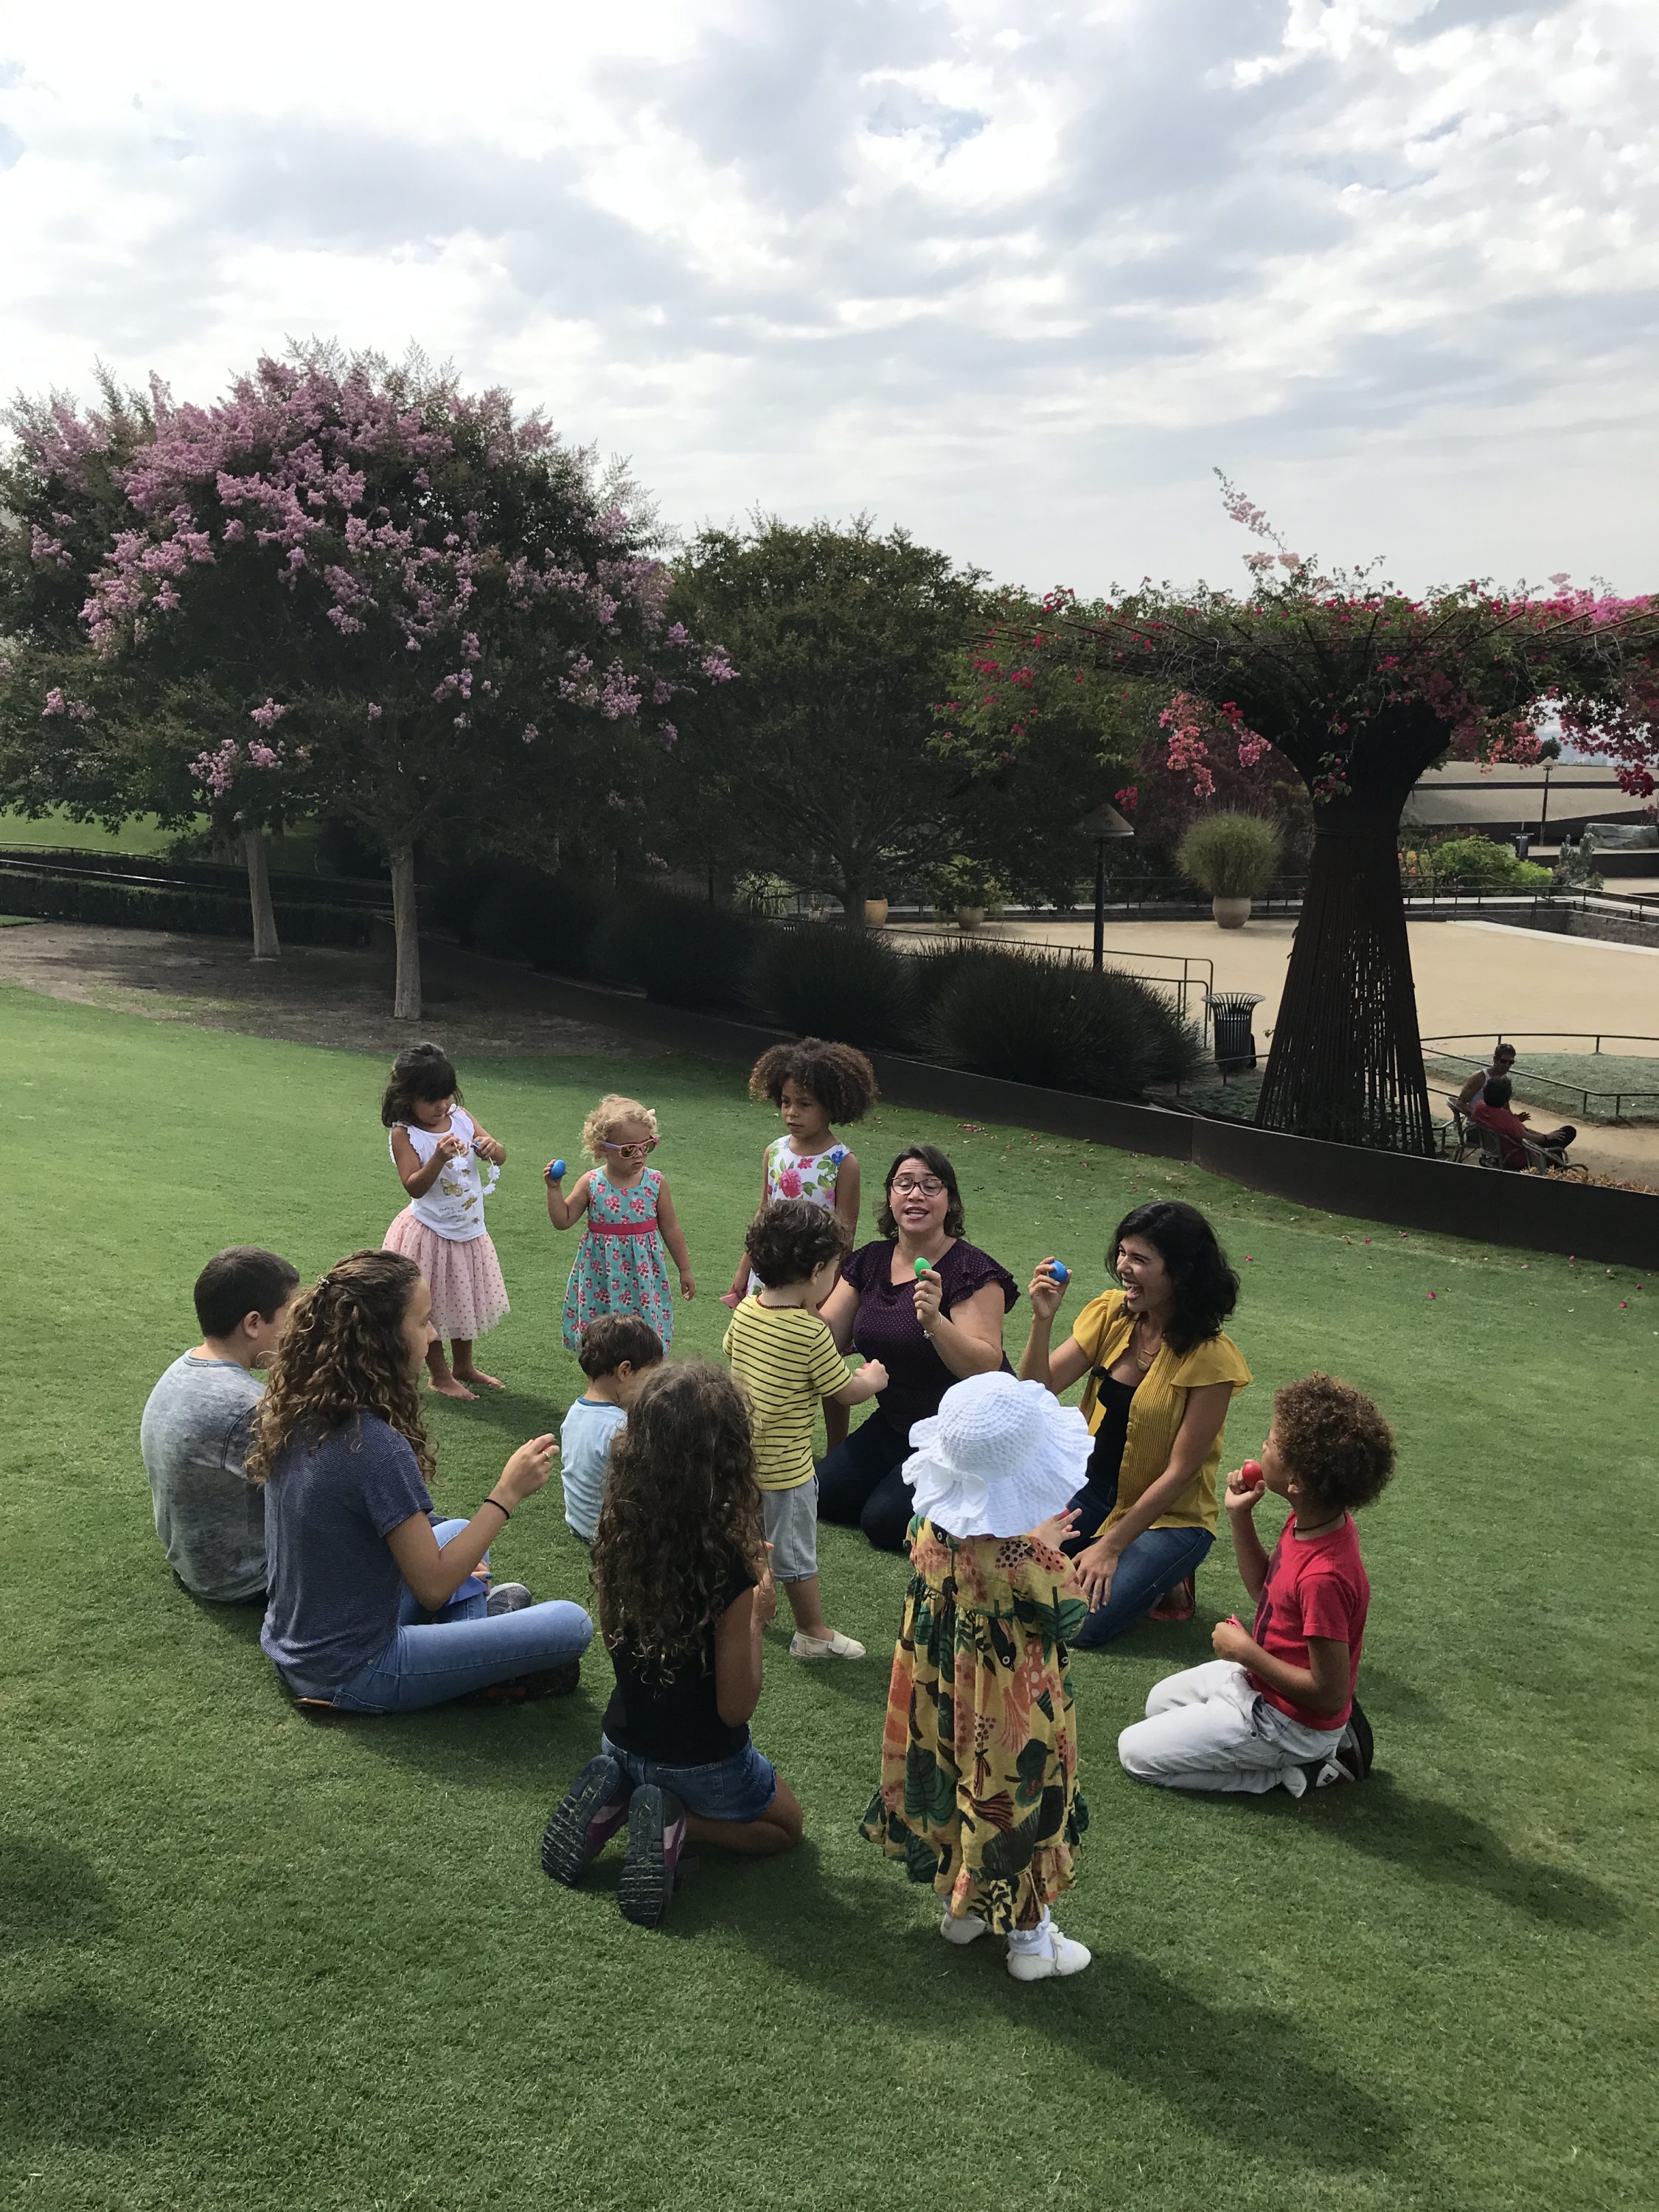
x: 875, y: 912
x: 1230, y: 913
x: 969, y: 917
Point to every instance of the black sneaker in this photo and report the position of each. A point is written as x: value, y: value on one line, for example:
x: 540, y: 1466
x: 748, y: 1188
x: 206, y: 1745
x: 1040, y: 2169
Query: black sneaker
x: 507, y: 1597
x: 585, y: 1819
x: 1356, y: 1750
x: 656, y: 1837
x: 520, y: 1689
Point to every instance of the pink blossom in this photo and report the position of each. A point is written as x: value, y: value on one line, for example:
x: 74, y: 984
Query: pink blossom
x: 55, y: 702
x: 374, y: 710
x: 269, y: 715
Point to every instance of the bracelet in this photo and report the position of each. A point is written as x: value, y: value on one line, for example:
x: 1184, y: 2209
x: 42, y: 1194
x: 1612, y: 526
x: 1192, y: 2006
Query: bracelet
x: 499, y: 1507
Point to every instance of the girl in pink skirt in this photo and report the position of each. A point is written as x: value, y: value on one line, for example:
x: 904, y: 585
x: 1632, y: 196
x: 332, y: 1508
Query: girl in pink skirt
x: 436, y: 1147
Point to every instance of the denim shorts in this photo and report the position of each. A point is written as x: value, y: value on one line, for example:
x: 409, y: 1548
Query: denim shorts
x: 736, y: 1789
x: 792, y: 1530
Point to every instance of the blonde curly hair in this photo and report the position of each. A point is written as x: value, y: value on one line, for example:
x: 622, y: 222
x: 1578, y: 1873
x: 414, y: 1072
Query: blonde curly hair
x: 343, y: 1354
x: 612, y: 1112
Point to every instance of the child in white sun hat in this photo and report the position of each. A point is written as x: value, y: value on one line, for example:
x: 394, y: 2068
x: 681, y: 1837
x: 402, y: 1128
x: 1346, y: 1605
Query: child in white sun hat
x: 979, y: 1792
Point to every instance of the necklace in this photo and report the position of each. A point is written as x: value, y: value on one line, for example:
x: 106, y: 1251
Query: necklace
x: 1144, y: 1360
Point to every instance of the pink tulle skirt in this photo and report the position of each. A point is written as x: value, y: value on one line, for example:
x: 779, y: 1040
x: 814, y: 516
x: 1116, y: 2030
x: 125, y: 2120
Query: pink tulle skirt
x: 468, y: 1294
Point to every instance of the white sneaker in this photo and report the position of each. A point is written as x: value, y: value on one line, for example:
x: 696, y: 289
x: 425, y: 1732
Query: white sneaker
x: 966, y: 1929
x: 833, y: 1646
x: 1056, y: 1954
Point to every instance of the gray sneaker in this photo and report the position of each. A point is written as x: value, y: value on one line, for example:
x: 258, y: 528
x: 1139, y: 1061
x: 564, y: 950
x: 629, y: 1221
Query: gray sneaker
x: 507, y: 1597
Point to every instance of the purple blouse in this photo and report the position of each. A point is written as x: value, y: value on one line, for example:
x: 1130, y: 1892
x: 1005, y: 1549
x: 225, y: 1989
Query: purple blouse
x: 885, y: 1327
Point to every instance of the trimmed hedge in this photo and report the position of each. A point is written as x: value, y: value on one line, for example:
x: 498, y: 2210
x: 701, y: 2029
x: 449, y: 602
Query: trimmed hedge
x: 73, y: 897
x: 824, y: 981
x: 225, y: 877
x: 1054, y: 1022
x: 680, y: 951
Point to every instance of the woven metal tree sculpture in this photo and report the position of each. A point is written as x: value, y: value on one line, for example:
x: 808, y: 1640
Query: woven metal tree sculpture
x: 1361, y: 689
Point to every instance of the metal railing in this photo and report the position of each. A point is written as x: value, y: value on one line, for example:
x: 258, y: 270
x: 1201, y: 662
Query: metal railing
x: 1589, y: 1101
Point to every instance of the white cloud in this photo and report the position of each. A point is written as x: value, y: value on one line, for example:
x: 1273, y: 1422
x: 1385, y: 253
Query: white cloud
x: 1393, y: 262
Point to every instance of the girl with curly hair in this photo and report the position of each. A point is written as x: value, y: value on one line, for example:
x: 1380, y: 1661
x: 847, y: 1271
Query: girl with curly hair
x: 374, y: 1606
x: 812, y: 1083
x: 619, y: 1267
x: 684, y: 1592
x: 1162, y: 1374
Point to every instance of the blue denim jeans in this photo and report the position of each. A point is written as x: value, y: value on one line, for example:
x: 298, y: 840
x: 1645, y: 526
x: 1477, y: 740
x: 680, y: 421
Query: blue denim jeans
x: 736, y: 1789
x: 1155, y: 1562
x: 462, y: 1648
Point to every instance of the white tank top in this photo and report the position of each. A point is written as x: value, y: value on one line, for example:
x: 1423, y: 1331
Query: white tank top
x: 453, y: 1207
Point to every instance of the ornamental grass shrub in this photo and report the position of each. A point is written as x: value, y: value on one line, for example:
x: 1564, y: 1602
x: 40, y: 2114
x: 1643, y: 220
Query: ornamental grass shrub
x: 1052, y: 1021
x: 1476, y: 864
x: 1229, y: 855
x: 680, y: 951
x: 820, y: 979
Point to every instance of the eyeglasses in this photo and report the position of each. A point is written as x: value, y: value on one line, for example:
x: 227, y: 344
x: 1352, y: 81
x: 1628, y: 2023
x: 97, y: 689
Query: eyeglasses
x: 929, y: 1186
x: 632, y: 1152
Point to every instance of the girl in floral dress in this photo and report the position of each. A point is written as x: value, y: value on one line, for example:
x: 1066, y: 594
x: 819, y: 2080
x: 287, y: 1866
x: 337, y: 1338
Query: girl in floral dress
x: 979, y: 1793
x: 619, y: 1266
x: 812, y: 1083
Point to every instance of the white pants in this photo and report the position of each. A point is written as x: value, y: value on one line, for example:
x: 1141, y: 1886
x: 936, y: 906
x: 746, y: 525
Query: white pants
x: 1209, y: 1729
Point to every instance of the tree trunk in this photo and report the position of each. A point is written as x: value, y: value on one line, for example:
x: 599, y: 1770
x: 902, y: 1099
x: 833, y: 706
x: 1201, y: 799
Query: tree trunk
x: 853, y: 896
x: 257, y: 854
x: 1346, y: 1063
x: 405, y: 924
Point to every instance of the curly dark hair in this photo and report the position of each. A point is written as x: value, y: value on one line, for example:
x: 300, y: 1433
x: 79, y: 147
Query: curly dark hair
x: 838, y: 1076
x: 1498, y: 1092
x: 1333, y: 1441
x: 936, y: 1163
x: 790, y: 1239
x: 680, y: 1509
x: 611, y: 1338
x: 343, y: 1354
x: 421, y: 1071
x: 1206, y: 1288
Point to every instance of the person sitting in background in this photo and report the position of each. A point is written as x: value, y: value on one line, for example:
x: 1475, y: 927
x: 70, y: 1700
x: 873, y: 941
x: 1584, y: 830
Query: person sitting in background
x: 1503, y: 1066
x: 209, y: 1517
x: 1492, y: 1110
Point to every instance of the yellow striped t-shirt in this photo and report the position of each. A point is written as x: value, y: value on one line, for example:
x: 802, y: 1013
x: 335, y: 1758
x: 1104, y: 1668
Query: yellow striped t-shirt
x: 787, y: 1360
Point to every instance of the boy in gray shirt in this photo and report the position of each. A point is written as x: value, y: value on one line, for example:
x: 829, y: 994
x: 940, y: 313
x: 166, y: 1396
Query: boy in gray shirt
x: 210, y: 1519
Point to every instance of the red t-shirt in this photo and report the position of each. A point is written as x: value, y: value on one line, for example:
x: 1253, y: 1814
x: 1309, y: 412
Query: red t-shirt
x: 1511, y: 1129
x: 1315, y: 1587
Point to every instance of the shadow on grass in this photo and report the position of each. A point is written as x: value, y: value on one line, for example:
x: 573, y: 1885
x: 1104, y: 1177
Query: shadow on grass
x: 1252, y: 2076
x: 78, y: 2071
x: 1442, y: 1843
x: 49, y: 1894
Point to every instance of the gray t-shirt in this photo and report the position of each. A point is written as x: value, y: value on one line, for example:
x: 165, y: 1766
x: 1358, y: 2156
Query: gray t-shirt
x: 590, y: 1429
x: 209, y: 1517
x: 335, y: 1587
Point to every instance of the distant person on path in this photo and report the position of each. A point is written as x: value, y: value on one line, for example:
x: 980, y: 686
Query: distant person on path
x: 619, y: 1267
x: 1276, y: 1707
x: 618, y: 1351
x: 374, y: 1608
x: 209, y: 1517
x: 1161, y: 1377
x: 928, y: 1331
x: 1492, y: 1110
x: 1503, y: 1066
x: 979, y: 1758
x: 685, y: 1591
x: 436, y: 1146
x: 787, y: 1361
x: 812, y: 1083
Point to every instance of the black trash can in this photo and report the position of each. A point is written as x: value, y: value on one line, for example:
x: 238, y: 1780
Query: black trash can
x: 1521, y: 841
x: 1235, y: 1040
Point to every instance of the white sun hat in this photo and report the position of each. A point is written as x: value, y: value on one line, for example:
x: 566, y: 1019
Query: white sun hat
x: 998, y: 1458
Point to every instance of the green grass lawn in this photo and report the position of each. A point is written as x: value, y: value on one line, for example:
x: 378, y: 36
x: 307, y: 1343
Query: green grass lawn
x: 1552, y: 1079
x: 253, y: 1962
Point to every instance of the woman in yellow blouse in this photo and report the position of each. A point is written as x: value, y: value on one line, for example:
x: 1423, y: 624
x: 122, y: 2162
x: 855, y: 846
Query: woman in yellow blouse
x: 1161, y: 1377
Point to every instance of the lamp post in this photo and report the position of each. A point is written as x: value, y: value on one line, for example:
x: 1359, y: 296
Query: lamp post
x: 1103, y: 825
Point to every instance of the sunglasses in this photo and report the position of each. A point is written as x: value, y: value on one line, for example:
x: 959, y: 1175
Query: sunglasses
x: 632, y: 1152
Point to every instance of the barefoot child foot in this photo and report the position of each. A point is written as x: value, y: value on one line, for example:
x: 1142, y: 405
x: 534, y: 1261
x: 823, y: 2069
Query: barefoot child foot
x: 464, y: 1370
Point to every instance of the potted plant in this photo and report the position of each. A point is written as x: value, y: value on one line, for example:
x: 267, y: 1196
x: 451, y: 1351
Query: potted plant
x: 875, y: 910
x: 1232, y: 857
x: 966, y: 887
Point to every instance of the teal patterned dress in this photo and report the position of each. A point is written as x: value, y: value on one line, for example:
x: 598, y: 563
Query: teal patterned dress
x: 619, y: 1266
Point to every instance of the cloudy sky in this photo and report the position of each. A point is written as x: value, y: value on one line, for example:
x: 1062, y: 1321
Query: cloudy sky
x: 1016, y: 275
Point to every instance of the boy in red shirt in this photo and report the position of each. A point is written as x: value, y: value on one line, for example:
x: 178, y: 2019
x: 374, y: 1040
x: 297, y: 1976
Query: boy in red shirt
x: 1275, y: 1707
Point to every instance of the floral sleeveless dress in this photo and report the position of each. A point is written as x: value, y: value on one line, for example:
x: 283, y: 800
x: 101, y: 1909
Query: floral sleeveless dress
x: 979, y: 1792
x: 811, y: 1176
x: 619, y: 1266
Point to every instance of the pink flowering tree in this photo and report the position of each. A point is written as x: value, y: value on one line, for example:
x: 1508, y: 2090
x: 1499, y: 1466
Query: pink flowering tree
x: 1361, y: 688
x: 446, y: 624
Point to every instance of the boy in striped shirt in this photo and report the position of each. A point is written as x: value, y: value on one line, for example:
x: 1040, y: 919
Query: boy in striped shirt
x: 785, y: 1360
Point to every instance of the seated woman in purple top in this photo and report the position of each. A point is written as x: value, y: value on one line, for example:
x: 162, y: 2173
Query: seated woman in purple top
x: 928, y: 1331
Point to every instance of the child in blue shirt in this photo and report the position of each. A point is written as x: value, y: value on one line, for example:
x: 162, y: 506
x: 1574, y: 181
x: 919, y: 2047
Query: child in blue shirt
x: 618, y: 1350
